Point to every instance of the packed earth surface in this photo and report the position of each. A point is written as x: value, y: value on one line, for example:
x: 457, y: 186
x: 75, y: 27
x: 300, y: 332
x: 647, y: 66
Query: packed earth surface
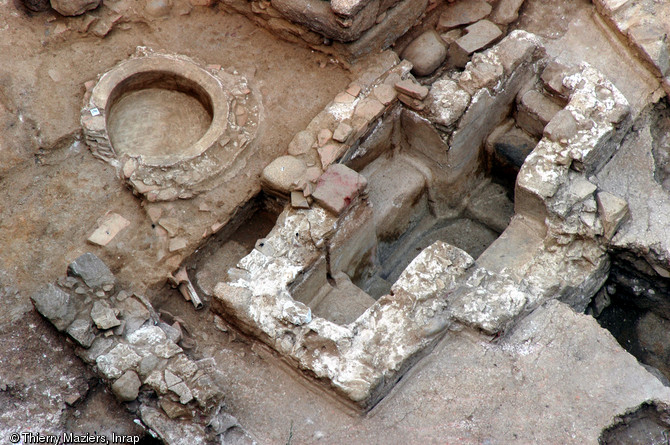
x: 341, y: 222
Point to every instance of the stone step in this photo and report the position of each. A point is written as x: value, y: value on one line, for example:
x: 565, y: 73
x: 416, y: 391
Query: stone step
x: 492, y: 206
x: 534, y: 111
x: 512, y: 251
x: 509, y: 144
x: 344, y: 303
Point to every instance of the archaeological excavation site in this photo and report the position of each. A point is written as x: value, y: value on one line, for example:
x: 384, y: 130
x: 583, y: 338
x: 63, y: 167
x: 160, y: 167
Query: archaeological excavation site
x: 335, y: 222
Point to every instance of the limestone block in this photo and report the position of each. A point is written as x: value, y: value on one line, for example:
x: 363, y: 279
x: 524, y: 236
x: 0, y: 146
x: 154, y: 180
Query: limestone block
x: 506, y: 11
x: 338, y: 187
x: 344, y: 303
x: 478, y: 36
x: 426, y: 52
x: 534, y: 111
x: 613, y: 212
x: 437, y: 270
x: 127, y: 387
x: 561, y: 127
x: 318, y: 16
x: 462, y: 12
x: 446, y: 102
x: 396, y: 22
x: 283, y: 174
x: 395, y: 188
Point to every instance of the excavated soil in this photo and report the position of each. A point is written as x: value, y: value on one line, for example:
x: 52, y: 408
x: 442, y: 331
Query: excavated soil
x: 53, y: 192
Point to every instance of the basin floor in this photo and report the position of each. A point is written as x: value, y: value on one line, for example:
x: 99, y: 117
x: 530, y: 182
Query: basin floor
x: 156, y: 122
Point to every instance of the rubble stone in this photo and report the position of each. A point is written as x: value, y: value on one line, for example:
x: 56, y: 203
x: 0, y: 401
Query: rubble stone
x: 613, y: 212
x: 384, y: 93
x: 446, y: 102
x: 80, y: 330
x: 103, y: 316
x: 118, y: 360
x: 342, y: 132
x: 182, y: 391
x: 412, y: 89
x: 126, y: 388
x: 56, y: 305
x: 462, y: 13
x: 92, y: 270
x: 552, y: 77
x: 426, y: 52
x: 301, y: 143
x: 158, y: 8
x: 506, y: 11
x: 174, y: 410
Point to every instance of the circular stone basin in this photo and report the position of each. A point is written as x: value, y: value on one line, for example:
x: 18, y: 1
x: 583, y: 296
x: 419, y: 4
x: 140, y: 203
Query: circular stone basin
x: 156, y: 122
x: 162, y: 109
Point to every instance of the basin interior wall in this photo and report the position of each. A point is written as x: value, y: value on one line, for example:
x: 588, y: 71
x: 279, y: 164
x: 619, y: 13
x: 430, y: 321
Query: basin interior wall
x: 233, y: 242
x: 660, y: 132
x: 404, y: 212
x: 157, y: 113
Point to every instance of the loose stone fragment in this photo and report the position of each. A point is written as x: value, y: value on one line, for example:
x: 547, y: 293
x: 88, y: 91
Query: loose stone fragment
x: 478, y: 36
x: 298, y: 200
